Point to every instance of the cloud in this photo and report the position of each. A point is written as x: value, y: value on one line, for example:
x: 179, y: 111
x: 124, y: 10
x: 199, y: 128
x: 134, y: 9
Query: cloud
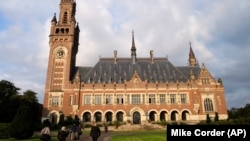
x: 218, y: 31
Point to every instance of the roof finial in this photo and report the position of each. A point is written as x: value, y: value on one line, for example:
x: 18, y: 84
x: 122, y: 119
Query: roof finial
x: 133, y: 49
x: 192, y: 59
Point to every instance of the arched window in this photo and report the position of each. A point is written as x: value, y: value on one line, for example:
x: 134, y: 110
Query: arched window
x: 65, y: 17
x: 208, y: 105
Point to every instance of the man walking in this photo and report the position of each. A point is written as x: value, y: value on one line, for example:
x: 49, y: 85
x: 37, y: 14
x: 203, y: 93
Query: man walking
x: 95, y: 132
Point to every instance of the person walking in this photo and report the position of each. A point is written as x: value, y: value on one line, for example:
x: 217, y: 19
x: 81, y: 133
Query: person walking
x: 45, y: 134
x: 62, y: 134
x: 95, y: 132
x: 79, y: 131
x: 73, y: 135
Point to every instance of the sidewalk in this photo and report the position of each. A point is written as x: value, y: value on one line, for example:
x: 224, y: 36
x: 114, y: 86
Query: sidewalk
x: 104, y: 137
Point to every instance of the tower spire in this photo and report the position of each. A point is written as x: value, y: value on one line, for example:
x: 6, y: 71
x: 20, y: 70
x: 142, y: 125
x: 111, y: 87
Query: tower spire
x: 192, y: 60
x: 133, y: 49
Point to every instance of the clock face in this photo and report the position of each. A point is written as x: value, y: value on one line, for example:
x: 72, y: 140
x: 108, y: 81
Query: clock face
x: 60, y: 53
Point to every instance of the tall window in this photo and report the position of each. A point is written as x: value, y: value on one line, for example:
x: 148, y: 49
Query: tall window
x: 119, y: 99
x: 108, y: 99
x: 172, y: 98
x: 98, y: 99
x: 71, y: 100
x: 65, y: 17
x: 183, y: 98
x: 151, y: 98
x: 136, y: 99
x: 87, y: 99
x: 162, y: 98
x: 208, y: 105
x: 55, y: 101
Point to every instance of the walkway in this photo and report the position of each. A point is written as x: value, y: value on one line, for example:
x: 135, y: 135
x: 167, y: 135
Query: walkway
x: 103, y: 137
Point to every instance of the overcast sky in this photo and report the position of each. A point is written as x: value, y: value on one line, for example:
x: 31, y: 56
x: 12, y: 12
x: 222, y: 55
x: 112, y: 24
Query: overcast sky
x: 219, y: 31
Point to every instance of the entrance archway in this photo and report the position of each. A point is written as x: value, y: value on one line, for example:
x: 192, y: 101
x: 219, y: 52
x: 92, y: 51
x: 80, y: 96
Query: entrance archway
x: 108, y: 117
x: 119, y: 116
x: 53, y: 118
x: 163, y: 116
x: 152, y: 116
x: 184, y: 115
x: 86, y: 117
x: 136, y: 118
x: 98, y: 116
x: 174, y: 115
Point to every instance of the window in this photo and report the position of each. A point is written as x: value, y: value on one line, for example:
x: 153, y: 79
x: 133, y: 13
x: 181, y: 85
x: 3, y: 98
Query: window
x: 119, y: 99
x: 65, y: 17
x: 151, y: 98
x: 208, y: 105
x: 71, y: 100
x: 55, y: 101
x: 172, y: 98
x: 108, y: 99
x: 98, y: 99
x: 87, y: 99
x: 162, y: 98
x: 205, y: 81
x: 136, y: 99
x: 183, y: 98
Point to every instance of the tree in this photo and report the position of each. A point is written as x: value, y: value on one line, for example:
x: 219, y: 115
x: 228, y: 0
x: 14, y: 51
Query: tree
x: 22, y: 127
x: 12, y: 104
x: 76, y: 120
x: 216, y: 117
x: 7, y: 89
x: 29, y: 99
x: 30, y: 96
x: 208, y: 120
x: 62, y: 120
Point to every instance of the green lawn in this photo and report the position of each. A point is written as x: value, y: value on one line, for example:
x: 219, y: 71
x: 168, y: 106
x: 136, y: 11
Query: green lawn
x: 148, y: 135
x: 135, y: 135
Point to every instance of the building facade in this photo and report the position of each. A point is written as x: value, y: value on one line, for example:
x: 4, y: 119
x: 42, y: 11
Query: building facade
x: 132, y: 89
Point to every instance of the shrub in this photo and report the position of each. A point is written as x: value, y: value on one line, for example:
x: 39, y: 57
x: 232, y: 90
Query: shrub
x: 208, y: 120
x: 22, y: 126
x: 4, y: 130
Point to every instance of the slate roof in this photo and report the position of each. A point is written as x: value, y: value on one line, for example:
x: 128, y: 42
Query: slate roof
x: 160, y: 70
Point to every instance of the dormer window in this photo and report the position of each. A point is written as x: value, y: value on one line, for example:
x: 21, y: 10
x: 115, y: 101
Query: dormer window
x: 205, y: 81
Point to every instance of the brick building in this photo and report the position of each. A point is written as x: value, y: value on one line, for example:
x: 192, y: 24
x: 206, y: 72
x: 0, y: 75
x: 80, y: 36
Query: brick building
x: 124, y: 89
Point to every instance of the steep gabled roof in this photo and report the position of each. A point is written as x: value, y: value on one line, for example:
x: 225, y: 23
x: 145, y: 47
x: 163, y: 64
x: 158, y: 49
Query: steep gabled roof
x: 160, y: 70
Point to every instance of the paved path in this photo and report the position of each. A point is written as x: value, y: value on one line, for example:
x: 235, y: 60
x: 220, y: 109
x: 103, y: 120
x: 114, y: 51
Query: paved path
x: 103, y: 137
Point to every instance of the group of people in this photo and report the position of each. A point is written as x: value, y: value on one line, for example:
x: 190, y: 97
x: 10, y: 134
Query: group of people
x: 75, y: 132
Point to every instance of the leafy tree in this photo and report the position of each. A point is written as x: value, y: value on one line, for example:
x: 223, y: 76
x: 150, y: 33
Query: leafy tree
x: 29, y: 99
x: 7, y: 89
x: 12, y: 105
x: 235, y: 113
x: 22, y: 127
x: 69, y: 120
x: 76, y: 120
x: 62, y: 120
x: 30, y: 96
x: 9, y: 99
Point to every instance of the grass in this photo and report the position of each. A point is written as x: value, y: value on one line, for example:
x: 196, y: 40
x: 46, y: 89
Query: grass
x: 135, y: 135
x: 142, y: 135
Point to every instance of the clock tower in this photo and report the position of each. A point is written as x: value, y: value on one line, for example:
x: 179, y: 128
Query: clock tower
x: 63, y: 42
